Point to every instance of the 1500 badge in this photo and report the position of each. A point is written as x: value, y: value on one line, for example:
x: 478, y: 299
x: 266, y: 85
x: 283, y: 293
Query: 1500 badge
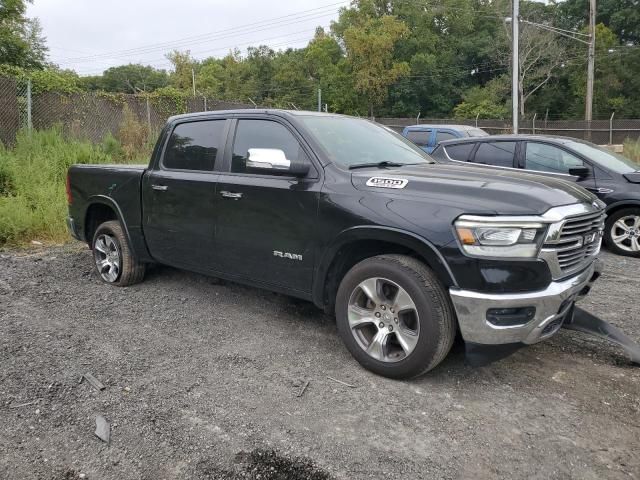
x: 384, y: 182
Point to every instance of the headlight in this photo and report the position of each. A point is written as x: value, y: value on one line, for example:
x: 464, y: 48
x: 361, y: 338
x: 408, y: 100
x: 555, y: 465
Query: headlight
x: 499, y: 238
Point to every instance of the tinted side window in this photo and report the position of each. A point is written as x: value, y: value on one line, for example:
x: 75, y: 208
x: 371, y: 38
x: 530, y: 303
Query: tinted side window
x: 441, y: 136
x: 420, y: 138
x: 460, y: 152
x: 547, y: 158
x: 496, y: 153
x: 194, y: 145
x: 262, y: 134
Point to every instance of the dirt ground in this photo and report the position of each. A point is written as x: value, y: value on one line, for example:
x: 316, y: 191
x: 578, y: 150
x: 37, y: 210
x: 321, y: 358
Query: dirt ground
x: 202, y: 380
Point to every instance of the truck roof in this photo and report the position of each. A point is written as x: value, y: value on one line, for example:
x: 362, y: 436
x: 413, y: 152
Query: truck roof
x: 441, y: 125
x: 253, y: 110
x: 514, y: 137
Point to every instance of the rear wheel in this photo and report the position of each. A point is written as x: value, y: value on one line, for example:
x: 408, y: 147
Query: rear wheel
x: 114, y: 261
x: 622, y: 232
x: 394, y: 316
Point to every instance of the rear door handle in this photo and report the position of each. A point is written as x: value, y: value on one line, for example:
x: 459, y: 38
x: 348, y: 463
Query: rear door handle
x: 160, y: 188
x: 227, y: 194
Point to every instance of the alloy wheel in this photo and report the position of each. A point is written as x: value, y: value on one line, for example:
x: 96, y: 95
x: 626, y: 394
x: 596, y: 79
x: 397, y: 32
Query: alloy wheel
x: 107, y: 257
x: 383, y: 319
x: 625, y: 233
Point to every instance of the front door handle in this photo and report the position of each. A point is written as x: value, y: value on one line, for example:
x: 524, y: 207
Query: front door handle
x: 235, y: 195
x: 160, y: 188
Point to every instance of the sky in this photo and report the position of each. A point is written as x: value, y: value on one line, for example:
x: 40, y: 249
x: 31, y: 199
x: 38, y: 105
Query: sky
x: 90, y: 36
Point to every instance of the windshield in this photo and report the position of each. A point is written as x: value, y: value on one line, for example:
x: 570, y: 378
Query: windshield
x: 354, y: 141
x: 604, y: 157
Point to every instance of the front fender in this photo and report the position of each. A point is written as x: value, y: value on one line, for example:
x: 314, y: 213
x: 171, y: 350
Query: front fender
x: 423, y: 247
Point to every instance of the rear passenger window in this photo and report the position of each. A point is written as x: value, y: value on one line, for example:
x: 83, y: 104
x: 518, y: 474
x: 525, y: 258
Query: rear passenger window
x: 419, y: 137
x: 460, y: 152
x: 499, y: 154
x: 194, y: 145
x: 442, y: 136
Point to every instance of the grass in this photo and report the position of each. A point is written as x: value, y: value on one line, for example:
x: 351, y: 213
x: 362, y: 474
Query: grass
x: 632, y: 149
x: 33, y: 203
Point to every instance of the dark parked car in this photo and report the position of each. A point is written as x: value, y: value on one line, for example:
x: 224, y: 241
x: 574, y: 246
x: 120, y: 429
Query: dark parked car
x: 612, y: 177
x: 354, y: 217
x: 427, y: 137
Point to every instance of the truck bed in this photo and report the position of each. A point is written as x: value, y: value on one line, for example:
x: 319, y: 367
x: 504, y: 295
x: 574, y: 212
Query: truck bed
x: 117, y: 186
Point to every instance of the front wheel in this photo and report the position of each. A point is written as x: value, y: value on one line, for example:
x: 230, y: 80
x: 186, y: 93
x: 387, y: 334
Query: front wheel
x: 622, y: 232
x: 394, y: 316
x: 114, y: 261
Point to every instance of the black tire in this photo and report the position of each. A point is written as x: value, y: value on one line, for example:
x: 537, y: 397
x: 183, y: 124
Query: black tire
x: 435, y: 315
x: 610, y: 226
x: 130, y: 271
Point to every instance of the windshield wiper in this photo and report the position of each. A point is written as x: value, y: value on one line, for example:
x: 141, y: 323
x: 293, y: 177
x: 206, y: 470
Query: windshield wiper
x: 379, y: 165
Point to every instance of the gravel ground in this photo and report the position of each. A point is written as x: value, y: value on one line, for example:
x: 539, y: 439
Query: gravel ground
x: 203, y: 380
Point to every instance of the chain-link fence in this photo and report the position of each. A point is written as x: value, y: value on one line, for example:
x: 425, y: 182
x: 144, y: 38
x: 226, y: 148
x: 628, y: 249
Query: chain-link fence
x: 95, y: 115
x: 15, y: 108
x: 92, y: 115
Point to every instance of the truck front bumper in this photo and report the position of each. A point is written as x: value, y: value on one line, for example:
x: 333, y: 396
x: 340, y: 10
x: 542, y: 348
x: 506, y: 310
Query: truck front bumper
x: 551, y: 307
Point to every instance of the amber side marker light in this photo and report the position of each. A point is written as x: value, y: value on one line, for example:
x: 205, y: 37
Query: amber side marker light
x: 466, y: 236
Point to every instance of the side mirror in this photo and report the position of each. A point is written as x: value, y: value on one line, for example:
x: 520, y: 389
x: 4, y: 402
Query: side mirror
x: 580, y: 172
x: 273, y: 160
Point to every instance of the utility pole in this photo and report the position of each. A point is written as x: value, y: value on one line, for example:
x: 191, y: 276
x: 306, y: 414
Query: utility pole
x: 588, y: 109
x: 319, y: 99
x: 193, y: 81
x: 515, y: 63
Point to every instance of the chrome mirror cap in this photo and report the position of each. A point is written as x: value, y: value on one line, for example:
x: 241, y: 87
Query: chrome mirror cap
x: 268, y: 158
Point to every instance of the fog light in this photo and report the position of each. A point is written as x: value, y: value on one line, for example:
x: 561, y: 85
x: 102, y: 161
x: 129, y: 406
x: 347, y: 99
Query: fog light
x: 510, y: 317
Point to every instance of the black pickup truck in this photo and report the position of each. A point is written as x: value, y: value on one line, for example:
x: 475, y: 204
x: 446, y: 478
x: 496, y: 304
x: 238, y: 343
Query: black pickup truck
x: 353, y: 217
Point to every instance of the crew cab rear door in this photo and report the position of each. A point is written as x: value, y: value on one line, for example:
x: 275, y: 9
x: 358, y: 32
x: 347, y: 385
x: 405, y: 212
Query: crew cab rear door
x: 266, y: 223
x: 178, y: 195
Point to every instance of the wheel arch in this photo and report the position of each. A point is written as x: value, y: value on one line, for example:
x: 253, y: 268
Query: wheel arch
x: 101, y: 209
x: 621, y: 205
x: 357, y: 243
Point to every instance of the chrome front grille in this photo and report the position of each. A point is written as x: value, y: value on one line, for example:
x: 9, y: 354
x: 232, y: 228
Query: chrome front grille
x: 573, y: 243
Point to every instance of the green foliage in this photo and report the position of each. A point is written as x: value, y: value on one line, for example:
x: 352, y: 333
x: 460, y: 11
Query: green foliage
x: 46, y: 80
x: 183, y: 65
x: 33, y: 206
x: 369, y: 45
x: 488, y: 101
x: 400, y: 56
x: 132, y: 78
x: 632, y: 149
x: 132, y: 136
x: 21, y: 41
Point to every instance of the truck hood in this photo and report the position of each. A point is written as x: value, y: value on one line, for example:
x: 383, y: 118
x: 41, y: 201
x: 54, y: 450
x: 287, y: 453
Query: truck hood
x: 479, y: 190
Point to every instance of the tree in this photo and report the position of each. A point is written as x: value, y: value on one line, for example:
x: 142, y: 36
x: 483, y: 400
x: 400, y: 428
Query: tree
x: 621, y: 16
x: 183, y: 66
x: 488, y: 101
x: 541, y: 54
x: 369, y: 45
x: 21, y: 40
x: 132, y: 78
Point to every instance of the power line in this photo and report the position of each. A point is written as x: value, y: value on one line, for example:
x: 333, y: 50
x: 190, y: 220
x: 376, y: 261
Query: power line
x: 164, y: 63
x: 277, y: 22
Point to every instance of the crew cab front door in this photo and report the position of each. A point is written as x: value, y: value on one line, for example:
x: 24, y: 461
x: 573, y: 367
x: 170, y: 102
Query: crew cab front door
x: 265, y: 223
